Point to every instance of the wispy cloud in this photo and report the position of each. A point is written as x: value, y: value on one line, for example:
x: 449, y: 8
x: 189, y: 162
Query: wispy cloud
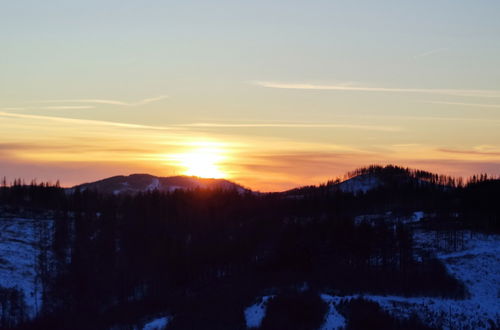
x: 430, y: 52
x: 352, y: 88
x: 83, y: 121
x: 54, y: 107
x: 425, y: 118
x: 471, y: 152
x: 70, y: 148
x: 295, y: 125
x: 67, y: 107
x: 474, y: 105
x: 108, y: 102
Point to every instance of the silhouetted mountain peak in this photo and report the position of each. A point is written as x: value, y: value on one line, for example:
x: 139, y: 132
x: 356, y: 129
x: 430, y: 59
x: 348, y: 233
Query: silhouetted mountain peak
x: 372, y: 177
x: 136, y: 183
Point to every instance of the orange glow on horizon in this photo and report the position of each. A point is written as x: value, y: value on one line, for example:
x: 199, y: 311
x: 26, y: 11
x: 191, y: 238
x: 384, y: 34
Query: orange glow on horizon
x: 76, y: 151
x: 204, y: 160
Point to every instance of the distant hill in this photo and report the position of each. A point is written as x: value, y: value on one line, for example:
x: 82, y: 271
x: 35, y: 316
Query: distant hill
x: 372, y: 177
x: 361, y: 183
x: 136, y: 183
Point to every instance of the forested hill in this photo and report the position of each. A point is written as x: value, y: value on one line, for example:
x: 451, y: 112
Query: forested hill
x: 136, y: 183
x: 391, y: 177
x: 202, y: 256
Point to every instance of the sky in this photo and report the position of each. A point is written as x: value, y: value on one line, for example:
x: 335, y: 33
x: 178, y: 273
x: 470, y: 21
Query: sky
x: 270, y: 94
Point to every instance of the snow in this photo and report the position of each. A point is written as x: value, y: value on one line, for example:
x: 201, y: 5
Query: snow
x: 417, y: 216
x: 256, y: 313
x: 333, y: 319
x: 20, y: 246
x: 360, y: 183
x: 388, y: 217
x: 154, y: 185
x: 157, y: 324
x: 477, y: 265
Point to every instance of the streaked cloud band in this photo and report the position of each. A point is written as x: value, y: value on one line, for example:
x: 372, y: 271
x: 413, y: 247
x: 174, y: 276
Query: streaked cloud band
x: 461, y: 104
x: 354, y: 88
x: 296, y: 125
x: 108, y: 102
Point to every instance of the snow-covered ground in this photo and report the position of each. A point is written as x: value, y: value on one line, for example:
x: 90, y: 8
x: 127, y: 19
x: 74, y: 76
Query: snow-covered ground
x: 477, y: 265
x: 333, y: 319
x: 159, y: 323
x: 361, y: 183
x: 255, y: 313
x: 154, y: 185
x: 389, y: 217
x: 20, y: 246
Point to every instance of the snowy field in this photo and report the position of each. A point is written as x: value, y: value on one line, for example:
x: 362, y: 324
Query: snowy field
x: 19, y: 250
x: 477, y: 265
x: 254, y: 315
x: 159, y: 323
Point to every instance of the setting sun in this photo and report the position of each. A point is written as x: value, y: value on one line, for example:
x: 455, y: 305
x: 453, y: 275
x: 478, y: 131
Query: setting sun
x: 202, y: 161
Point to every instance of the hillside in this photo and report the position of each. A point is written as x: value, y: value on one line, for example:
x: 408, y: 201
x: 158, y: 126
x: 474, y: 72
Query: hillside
x: 136, y: 183
x: 407, y: 251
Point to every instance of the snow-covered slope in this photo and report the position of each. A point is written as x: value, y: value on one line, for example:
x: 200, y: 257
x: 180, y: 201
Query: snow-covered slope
x: 333, y: 319
x: 21, y: 242
x: 477, y: 265
x: 360, y: 184
x: 159, y: 323
x: 254, y: 315
x: 391, y: 218
x: 136, y: 183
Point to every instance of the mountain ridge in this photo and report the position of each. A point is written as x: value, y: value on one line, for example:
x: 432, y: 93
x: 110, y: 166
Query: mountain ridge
x: 140, y: 182
x: 360, y: 180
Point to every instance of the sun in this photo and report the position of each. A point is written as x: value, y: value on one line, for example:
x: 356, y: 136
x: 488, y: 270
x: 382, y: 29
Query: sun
x: 204, y: 160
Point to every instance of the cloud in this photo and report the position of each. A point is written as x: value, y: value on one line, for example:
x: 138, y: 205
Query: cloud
x: 471, y: 152
x: 54, y: 107
x: 70, y: 148
x: 13, y: 108
x: 93, y: 102
x: 352, y: 88
x: 425, y: 118
x: 108, y: 102
x: 295, y: 125
x: 430, y: 52
x: 475, y: 105
x: 66, y: 107
x: 84, y: 121
x: 464, y: 168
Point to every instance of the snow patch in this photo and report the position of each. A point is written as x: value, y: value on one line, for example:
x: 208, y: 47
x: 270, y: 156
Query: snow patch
x: 417, y: 216
x: 333, y: 319
x: 477, y: 266
x: 154, y: 185
x: 360, y: 183
x: 157, y: 324
x: 21, y: 242
x: 256, y: 313
x: 389, y: 217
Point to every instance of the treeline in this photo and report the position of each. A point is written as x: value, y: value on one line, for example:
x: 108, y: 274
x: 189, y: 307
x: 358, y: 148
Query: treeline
x: 393, y: 172
x: 204, y: 255
x: 469, y: 205
x: 12, y: 308
x: 42, y: 195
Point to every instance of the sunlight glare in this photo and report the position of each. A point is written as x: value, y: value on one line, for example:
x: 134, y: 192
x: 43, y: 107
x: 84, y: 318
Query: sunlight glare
x: 203, y: 161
